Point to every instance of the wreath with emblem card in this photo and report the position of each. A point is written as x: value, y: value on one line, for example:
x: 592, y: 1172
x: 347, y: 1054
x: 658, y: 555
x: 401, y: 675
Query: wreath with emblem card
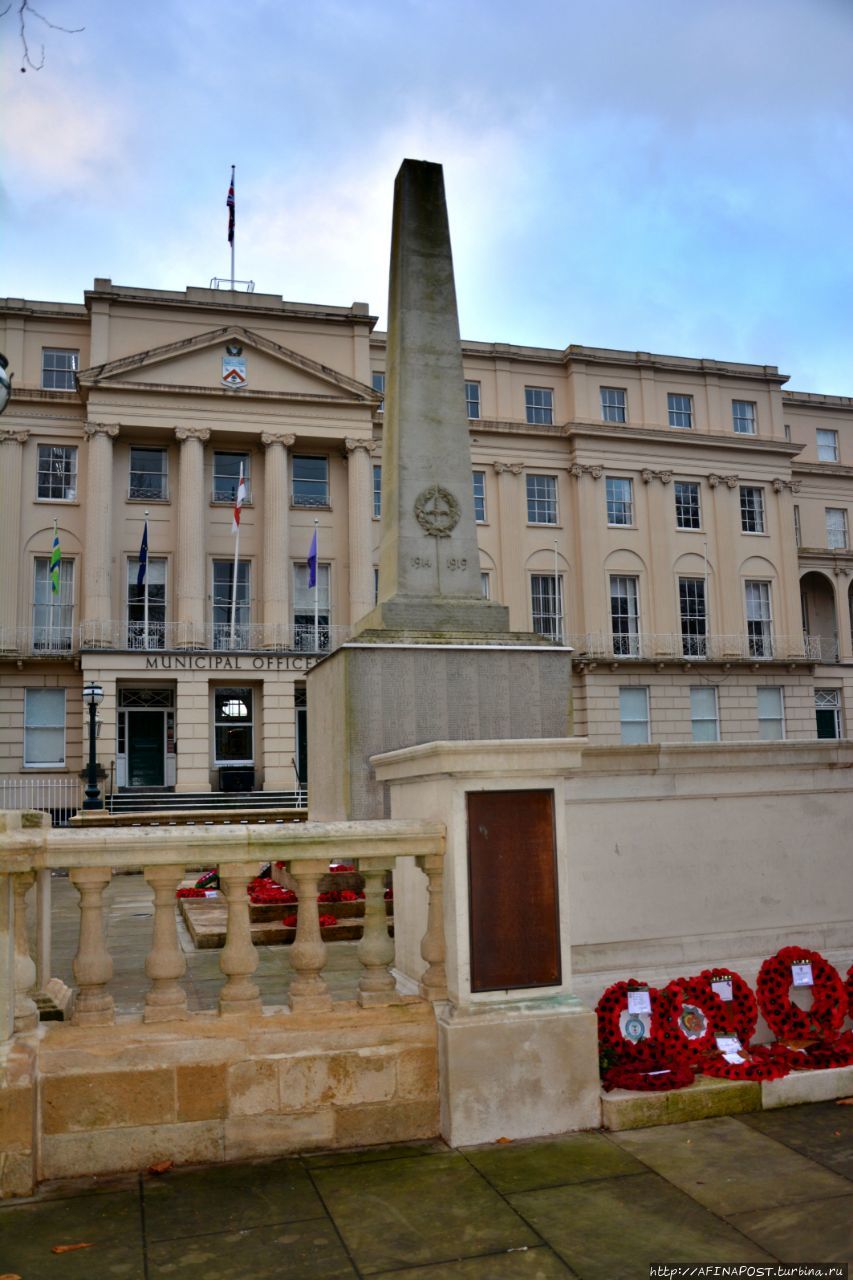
x: 796, y: 966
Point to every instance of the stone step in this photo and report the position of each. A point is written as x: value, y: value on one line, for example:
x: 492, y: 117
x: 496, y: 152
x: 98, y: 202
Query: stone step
x: 708, y: 1097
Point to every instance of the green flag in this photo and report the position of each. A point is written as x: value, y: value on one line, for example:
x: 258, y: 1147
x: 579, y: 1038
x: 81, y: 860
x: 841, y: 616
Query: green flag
x: 55, y: 561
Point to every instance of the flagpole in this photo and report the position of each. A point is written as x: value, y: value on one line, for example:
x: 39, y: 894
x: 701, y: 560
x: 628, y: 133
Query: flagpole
x: 317, y: 591
x: 233, y: 238
x: 234, y: 585
x: 145, y: 589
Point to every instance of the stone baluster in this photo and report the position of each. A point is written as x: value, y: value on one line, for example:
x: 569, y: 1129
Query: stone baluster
x: 166, y: 999
x: 239, y: 959
x: 376, y: 949
x: 11, y: 487
x: 360, y: 501
x: 97, y: 578
x: 92, y: 965
x: 276, y: 565
x: 190, y: 560
x: 433, y: 983
x: 308, y: 988
x: 26, y: 1010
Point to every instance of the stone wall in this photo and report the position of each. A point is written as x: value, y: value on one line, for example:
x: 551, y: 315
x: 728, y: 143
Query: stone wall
x: 97, y: 1100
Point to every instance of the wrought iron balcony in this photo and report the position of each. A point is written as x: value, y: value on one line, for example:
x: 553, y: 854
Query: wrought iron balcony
x: 245, y: 637
x: 675, y: 647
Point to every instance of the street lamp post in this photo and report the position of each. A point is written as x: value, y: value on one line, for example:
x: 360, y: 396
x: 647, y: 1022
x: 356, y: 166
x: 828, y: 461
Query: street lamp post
x: 92, y: 696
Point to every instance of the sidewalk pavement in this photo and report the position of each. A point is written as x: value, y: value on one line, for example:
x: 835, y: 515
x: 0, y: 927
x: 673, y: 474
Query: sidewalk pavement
x: 762, y: 1189
x: 759, y: 1189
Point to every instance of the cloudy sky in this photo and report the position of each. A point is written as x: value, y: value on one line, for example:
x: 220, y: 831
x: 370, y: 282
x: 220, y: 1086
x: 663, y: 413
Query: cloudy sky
x: 672, y: 176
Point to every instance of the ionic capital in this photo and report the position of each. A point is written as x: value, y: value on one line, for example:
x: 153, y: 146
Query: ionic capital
x: 515, y: 468
x: 276, y: 437
x: 352, y: 445
x: 731, y: 481
x: 7, y: 436
x: 192, y: 433
x: 91, y: 429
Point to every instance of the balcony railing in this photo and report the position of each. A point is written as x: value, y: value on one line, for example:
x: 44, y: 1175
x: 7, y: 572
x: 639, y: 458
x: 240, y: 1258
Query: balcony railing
x: 250, y: 637
x: 672, y: 646
x: 41, y: 641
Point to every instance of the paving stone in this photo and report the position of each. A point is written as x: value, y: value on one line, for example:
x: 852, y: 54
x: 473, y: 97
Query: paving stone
x: 404, y: 1213
x: 527, y: 1166
x: 518, y: 1264
x: 228, y: 1197
x: 614, y: 1229
x: 292, y: 1251
x: 729, y: 1167
x: 399, y: 1151
x: 809, y: 1232
x: 110, y: 1222
x: 823, y: 1131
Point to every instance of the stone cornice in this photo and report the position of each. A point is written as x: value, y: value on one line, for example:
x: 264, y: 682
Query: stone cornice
x: 688, y: 439
x: 822, y: 469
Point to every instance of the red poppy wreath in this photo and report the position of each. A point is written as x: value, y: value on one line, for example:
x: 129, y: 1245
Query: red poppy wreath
x: 785, y: 1019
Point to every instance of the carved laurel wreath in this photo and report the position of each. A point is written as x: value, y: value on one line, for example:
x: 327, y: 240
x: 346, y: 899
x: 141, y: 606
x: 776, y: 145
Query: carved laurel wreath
x: 437, y: 511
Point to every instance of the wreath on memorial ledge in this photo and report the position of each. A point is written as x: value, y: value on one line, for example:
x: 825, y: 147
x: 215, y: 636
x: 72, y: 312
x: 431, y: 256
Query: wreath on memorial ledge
x: 686, y: 1028
x: 849, y: 985
x: 788, y: 1022
x: 644, y: 1061
x: 735, y: 1017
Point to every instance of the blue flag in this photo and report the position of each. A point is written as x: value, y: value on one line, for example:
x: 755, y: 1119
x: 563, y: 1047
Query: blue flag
x: 143, y: 556
x: 312, y: 562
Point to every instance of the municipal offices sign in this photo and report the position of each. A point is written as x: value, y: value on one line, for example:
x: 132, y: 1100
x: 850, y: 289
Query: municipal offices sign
x: 228, y: 662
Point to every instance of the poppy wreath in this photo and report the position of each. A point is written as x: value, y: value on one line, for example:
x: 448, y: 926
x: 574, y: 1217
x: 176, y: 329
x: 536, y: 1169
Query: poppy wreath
x: 761, y: 1062
x: 827, y: 1053
x: 677, y: 999
x: 647, y: 1071
x: 788, y: 1022
x: 735, y: 1017
x: 612, y: 1044
x: 849, y: 985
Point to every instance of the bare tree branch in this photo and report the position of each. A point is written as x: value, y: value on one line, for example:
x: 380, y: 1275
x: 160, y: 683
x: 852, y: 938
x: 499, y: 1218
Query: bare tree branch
x: 24, y: 9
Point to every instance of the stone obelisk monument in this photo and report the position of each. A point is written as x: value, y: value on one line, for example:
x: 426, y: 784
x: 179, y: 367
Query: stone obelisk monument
x: 433, y: 661
x: 429, y: 563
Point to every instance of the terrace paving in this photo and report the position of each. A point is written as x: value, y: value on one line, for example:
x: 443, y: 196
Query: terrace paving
x: 758, y: 1189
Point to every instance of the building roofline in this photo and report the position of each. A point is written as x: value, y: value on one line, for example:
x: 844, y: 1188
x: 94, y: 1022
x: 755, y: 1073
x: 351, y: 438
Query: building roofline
x: 816, y: 400
x: 577, y: 354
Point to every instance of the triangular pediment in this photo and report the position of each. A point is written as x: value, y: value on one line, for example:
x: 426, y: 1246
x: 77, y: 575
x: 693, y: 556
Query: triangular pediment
x: 198, y: 365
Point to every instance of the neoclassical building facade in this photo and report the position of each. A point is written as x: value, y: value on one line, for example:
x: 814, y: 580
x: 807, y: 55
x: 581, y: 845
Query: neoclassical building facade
x: 682, y: 523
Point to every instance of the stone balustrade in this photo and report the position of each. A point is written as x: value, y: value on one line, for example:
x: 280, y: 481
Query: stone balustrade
x: 28, y: 844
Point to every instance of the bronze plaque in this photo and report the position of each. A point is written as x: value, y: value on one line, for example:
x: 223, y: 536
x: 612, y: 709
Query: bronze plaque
x: 512, y: 890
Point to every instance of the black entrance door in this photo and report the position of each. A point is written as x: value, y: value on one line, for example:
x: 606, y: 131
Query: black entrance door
x: 145, y: 762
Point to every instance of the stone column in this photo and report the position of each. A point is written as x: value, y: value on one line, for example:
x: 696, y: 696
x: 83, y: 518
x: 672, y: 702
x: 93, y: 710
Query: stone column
x: 360, y: 499
x: 308, y: 988
x: 11, y: 482
x: 239, y: 959
x: 26, y: 1010
x: 376, y: 949
x: 166, y: 1001
x: 433, y: 982
x: 97, y: 579
x: 190, y: 558
x: 92, y: 965
x: 276, y: 566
